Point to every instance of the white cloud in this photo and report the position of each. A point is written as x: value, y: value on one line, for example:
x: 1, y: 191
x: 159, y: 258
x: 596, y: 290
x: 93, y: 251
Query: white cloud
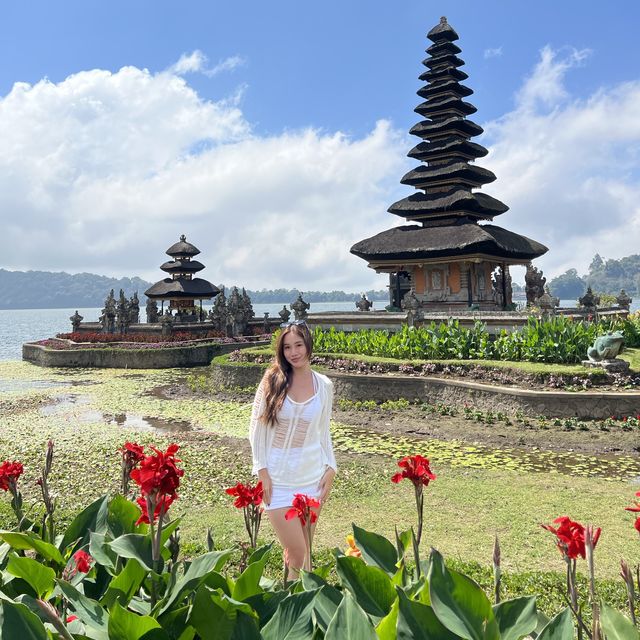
x: 569, y: 167
x: 103, y: 171
x: 492, y: 52
x: 197, y: 62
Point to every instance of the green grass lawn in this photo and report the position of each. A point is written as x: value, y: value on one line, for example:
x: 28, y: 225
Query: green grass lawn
x: 632, y: 356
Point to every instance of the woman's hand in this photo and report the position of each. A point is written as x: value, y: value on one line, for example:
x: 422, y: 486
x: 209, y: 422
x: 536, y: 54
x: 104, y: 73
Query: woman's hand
x: 326, y: 482
x: 267, y: 485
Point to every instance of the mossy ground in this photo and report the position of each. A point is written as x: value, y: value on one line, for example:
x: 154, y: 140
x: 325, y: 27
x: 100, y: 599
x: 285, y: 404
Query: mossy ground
x: 479, y: 492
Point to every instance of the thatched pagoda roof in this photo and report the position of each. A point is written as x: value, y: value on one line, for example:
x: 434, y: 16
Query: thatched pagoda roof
x: 413, y: 242
x: 182, y: 266
x: 192, y: 289
x: 182, y: 248
x: 454, y: 204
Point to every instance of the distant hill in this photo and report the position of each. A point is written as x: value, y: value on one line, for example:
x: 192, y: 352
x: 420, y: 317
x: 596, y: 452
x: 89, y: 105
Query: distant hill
x: 59, y: 290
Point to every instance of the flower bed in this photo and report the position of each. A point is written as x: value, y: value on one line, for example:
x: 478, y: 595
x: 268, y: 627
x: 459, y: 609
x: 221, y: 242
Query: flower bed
x: 117, y: 571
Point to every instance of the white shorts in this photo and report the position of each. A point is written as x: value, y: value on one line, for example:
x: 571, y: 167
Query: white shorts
x: 282, y: 495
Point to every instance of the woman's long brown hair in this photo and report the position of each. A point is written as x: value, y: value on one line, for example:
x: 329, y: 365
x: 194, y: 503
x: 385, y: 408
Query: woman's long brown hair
x: 277, y: 378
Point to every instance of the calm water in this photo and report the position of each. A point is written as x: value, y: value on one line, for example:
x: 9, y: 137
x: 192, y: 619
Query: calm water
x: 24, y: 325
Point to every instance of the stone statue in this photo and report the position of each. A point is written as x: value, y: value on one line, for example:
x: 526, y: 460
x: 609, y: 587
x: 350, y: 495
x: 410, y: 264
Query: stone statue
x: 236, y: 313
x: 134, y: 309
x: 218, y: 313
x: 413, y: 307
x: 300, y: 308
x: 265, y: 323
x: 364, y: 304
x: 108, y: 316
x: 76, y: 319
x: 496, y: 283
x: 588, y: 300
x: 623, y: 300
x: 167, y: 323
x: 122, y: 313
x: 534, y: 284
x: 606, y: 347
x: 284, y: 313
x: 152, y: 310
x: 547, y: 302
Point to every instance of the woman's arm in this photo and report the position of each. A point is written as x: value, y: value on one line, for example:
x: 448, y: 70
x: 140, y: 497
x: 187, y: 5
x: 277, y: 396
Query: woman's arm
x: 325, y: 432
x: 258, y: 432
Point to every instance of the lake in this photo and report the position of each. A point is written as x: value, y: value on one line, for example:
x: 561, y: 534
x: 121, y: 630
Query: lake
x: 24, y: 325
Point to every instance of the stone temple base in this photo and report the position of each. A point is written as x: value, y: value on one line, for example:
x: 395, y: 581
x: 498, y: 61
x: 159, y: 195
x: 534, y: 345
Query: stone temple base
x: 611, y: 366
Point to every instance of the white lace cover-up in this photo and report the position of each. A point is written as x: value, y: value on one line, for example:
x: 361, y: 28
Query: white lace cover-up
x: 298, y: 449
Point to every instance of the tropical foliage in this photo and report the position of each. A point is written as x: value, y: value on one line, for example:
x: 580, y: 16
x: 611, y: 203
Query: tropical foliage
x: 556, y: 340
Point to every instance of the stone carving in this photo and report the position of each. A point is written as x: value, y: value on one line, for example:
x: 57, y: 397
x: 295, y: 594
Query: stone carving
x: 76, y: 319
x: 122, y: 313
x: 218, y: 313
x: 108, y: 315
x: 300, y: 308
x: 134, y: 309
x: 284, y: 313
x: 623, y: 299
x: 167, y: 323
x: 496, y: 282
x: 547, y: 302
x: 235, y: 314
x: 534, y: 284
x: 248, y: 307
x: 152, y: 310
x: 413, y: 307
x: 588, y: 300
x: 265, y: 323
x: 364, y: 304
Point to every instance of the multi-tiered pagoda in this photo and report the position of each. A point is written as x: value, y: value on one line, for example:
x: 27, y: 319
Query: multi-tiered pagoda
x: 448, y: 259
x: 181, y: 289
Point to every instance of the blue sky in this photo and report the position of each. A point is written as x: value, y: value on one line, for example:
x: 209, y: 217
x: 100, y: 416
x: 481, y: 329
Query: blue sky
x: 265, y: 80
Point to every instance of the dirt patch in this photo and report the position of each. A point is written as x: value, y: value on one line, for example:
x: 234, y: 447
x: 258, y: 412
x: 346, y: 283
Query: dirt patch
x: 588, y: 438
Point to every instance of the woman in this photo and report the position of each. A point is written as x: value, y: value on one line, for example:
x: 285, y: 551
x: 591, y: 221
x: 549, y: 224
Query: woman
x: 290, y: 439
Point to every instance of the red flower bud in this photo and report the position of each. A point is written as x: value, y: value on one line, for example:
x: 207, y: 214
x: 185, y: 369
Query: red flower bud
x: 83, y: 561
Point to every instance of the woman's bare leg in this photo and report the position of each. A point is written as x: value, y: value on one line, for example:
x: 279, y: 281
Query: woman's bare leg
x: 292, y: 537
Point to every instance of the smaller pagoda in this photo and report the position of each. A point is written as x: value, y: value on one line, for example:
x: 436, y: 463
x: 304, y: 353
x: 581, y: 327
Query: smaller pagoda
x: 181, y: 289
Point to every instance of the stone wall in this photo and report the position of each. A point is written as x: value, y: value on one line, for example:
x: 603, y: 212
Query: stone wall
x: 112, y: 357
x: 561, y: 404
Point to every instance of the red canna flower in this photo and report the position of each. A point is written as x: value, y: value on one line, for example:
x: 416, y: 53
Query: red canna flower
x: 158, y: 474
x: 636, y: 507
x: 302, y: 508
x: 9, y: 474
x: 71, y: 619
x: 570, y: 536
x: 636, y: 524
x: 415, y: 468
x: 133, y: 451
x: 246, y: 494
x: 162, y: 506
x: 83, y: 561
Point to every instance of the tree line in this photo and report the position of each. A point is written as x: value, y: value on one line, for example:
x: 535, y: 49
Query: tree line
x: 60, y: 290
x: 604, y: 276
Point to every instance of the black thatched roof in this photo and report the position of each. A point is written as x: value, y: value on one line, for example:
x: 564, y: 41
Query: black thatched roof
x: 182, y: 266
x: 443, y: 60
x: 446, y: 87
x: 422, y: 177
x: 445, y: 103
x: 197, y: 289
x: 454, y: 124
x: 454, y: 203
x: 413, y: 242
x: 182, y: 248
x: 452, y: 147
x: 443, y: 74
x: 443, y: 46
x: 442, y: 31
